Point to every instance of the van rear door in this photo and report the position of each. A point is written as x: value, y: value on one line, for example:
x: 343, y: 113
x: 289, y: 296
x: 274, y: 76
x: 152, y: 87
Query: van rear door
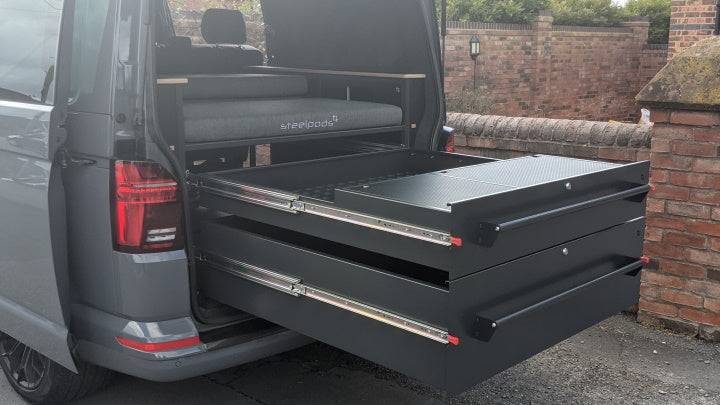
x: 33, y: 258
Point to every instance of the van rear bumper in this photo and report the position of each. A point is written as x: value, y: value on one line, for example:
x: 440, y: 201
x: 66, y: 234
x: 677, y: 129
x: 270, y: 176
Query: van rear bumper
x: 95, y: 337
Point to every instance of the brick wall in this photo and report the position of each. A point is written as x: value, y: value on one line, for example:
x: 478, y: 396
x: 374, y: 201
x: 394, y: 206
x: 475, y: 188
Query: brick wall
x: 652, y: 59
x: 681, y: 286
x: 690, y: 21
x: 542, y: 70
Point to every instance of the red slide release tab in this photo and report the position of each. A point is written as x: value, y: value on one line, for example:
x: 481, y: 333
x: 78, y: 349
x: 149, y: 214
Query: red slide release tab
x: 645, y: 260
x: 456, y: 241
x: 453, y: 340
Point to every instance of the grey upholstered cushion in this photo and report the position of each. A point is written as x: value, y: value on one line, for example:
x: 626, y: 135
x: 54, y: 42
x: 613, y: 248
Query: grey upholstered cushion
x: 244, y: 86
x: 209, y: 121
x: 180, y: 57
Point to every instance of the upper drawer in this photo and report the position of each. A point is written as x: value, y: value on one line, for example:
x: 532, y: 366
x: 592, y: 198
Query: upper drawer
x: 467, y: 216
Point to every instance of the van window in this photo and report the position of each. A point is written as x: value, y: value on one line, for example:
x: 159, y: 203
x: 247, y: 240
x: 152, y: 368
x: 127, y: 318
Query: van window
x: 28, y: 49
x: 187, y: 16
x: 88, y: 31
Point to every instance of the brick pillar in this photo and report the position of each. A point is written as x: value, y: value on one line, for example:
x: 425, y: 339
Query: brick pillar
x: 542, y: 53
x: 640, y: 27
x: 690, y: 21
x: 681, y: 286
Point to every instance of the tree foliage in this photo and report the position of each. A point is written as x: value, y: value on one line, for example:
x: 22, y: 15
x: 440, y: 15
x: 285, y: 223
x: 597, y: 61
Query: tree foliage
x: 658, y: 11
x: 469, y: 100
x: 597, y: 13
x: 248, y: 7
x: 591, y: 13
x: 504, y: 11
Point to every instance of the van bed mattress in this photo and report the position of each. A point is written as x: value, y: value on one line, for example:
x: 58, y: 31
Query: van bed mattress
x: 223, y: 120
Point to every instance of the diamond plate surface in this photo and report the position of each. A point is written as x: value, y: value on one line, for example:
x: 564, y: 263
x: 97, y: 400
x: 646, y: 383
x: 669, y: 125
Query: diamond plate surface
x: 430, y: 190
x: 327, y: 191
x: 528, y: 171
x: 439, y: 189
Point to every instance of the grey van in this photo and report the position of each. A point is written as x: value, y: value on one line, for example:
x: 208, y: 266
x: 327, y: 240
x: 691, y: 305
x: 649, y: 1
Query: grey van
x: 176, y: 203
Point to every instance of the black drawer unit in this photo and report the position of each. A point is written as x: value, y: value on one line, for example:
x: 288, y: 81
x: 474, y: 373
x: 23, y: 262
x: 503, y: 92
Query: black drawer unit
x: 451, y: 332
x: 459, y: 214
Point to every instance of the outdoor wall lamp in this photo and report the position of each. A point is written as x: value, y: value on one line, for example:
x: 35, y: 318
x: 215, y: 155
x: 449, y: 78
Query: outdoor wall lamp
x: 474, y: 47
x: 474, y: 53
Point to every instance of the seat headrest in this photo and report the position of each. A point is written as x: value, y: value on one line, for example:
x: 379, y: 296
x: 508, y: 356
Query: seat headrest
x: 221, y: 26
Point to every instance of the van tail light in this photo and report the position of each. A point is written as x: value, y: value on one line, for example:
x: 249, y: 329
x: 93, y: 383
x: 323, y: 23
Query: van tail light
x: 450, y: 144
x: 147, y: 208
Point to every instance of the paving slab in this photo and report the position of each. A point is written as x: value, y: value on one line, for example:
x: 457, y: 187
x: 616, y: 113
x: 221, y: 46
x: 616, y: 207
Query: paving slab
x: 616, y: 361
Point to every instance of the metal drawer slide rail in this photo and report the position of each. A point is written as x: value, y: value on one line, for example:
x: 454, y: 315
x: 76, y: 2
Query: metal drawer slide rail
x: 292, y: 204
x: 295, y: 287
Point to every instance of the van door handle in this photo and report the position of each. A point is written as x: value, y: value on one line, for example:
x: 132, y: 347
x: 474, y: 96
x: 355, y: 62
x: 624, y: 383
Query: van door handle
x: 66, y: 159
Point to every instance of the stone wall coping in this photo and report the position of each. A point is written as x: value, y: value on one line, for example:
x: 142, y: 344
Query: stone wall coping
x: 690, y: 81
x: 573, y: 132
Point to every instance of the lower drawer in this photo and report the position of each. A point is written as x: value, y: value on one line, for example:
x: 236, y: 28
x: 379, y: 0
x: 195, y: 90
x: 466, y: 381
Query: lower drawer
x: 450, y: 334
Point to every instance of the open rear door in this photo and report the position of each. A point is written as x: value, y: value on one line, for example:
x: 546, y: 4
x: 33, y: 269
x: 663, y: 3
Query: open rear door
x: 33, y: 261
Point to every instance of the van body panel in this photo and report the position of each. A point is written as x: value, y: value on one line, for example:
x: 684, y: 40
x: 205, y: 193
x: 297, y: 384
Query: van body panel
x: 96, y: 333
x: 152, y: 286
x: 30, y: 283
x: 47, y: 337
x: 33, y: 248
x: 90, y: 136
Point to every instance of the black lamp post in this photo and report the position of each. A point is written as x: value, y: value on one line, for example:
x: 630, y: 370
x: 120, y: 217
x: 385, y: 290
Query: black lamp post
x: 474, y: 53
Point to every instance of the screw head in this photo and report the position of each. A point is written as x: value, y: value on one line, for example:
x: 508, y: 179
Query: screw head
x: 565, y: 252
x: 568, y: 186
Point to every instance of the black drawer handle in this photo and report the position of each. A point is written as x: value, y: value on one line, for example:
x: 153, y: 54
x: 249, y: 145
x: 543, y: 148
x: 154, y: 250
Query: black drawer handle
x: 490, y: 231
x: 485, y: 327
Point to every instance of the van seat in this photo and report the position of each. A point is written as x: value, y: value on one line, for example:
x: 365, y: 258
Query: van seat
x: 225, y: 120
x: 225, y: 52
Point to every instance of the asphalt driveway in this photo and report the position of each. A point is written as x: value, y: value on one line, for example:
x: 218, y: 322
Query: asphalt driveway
x: 615, y: 362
